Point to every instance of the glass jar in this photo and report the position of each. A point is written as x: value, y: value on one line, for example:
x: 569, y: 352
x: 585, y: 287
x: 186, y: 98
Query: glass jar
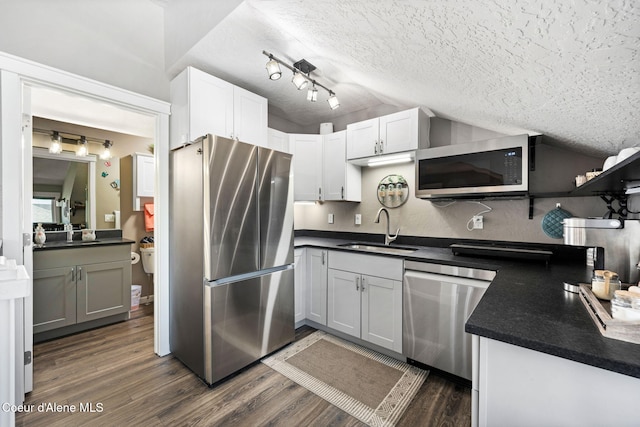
x: 604, y: 283
x: 625, y: 305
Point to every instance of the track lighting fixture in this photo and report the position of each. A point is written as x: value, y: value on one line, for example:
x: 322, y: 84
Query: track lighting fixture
x: 56, y: 143
x: 80, y: 141
x: 301, y: 78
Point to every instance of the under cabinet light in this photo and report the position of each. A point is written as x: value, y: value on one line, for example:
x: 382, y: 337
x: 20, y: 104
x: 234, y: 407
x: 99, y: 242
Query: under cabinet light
x: 390, y: 160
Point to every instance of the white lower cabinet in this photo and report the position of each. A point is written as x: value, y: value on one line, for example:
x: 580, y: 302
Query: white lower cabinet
x: 365, y: 298
x: 299, y: 287
x: 316, y: 289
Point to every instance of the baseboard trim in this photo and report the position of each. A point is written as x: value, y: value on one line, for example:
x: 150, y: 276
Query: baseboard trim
x: 146, y: 299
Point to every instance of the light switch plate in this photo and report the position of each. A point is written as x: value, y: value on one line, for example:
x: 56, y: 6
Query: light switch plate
x: 109, y: 218
x: 330, y: 218
x: 358, y: 219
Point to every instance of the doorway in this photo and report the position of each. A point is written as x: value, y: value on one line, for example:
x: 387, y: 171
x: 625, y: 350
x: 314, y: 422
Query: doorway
x: 18, y: 80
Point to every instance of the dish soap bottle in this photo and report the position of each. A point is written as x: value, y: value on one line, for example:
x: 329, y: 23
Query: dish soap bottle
x: 40, y: 237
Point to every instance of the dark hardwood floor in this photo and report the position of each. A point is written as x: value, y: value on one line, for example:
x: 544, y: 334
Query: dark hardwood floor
x: 115, y: 370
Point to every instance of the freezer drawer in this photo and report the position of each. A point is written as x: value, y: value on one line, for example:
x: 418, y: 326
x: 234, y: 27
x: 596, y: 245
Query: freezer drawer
x: 435, y: 309
x: 246, y: 320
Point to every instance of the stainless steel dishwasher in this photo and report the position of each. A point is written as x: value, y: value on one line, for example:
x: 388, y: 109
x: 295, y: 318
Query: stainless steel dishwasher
x: 437, y: 301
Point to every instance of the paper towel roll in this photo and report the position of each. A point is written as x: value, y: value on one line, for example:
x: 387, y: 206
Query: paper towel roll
x: 135, y: 258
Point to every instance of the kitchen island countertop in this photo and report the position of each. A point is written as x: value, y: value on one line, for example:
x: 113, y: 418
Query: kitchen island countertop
x: 526, y: 305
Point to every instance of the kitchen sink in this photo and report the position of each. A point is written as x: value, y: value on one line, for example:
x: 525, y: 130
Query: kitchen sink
x: 381, y: 249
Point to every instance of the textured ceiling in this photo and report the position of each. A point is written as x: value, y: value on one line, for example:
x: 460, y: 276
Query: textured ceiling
x: 569, y: 70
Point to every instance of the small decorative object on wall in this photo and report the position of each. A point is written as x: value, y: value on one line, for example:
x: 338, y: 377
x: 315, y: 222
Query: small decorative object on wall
x: 104, y: 174
x: 393, y: 191
x: 115, y: 184
x: 107, y: 164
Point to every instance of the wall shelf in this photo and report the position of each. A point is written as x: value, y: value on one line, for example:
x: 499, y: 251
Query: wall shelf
x: 609, y: 186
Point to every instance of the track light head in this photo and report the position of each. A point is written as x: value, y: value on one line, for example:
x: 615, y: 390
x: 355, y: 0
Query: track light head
x: 299, y: 81
x: 273, y: 69
x: 312, y: 94
x: 333, y: 101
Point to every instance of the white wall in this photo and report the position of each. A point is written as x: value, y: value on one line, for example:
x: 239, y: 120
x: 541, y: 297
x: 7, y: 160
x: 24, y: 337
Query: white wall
x: 116, y: 42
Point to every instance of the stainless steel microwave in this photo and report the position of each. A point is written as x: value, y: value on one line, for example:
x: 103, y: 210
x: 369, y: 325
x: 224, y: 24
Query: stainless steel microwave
x: 490, y: 168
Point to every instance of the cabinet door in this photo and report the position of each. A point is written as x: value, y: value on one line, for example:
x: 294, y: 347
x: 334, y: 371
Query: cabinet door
x: 341, y: 180
x: 278, y: 140
x: 210, y: 105
x: 399, y: 132
x: 307, y: 167
x: 316, y: 307
x: 54, y: 298
x: 300, y: 284
x: 249, y: 117
x: 343, y: 304
x: 145, y: 176
x: 382, y: 312
x: 103, y: 289
x: 362, y: 139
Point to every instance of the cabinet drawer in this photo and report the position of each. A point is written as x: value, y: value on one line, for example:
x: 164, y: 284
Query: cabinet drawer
x: 372, y: 265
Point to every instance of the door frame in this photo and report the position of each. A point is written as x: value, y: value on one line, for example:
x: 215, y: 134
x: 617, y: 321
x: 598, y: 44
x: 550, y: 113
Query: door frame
x: 17, y: 75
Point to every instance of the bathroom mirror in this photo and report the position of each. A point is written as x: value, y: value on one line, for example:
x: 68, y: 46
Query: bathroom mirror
x: 63, y: 189
x: 393, y: 191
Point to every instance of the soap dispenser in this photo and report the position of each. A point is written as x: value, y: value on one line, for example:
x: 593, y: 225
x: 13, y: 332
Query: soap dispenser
x: 40, y: 237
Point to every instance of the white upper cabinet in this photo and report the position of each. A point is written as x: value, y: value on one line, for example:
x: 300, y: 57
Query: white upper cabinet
x: 203, y: 104
x: 394, y: 133
x: 144, y: 172
x: 307, y: 166
x: 340, y: 180
x: 277, y: 140
x: 321, y: 171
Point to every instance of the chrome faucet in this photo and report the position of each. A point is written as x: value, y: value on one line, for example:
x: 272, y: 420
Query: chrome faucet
x: 387, y: 237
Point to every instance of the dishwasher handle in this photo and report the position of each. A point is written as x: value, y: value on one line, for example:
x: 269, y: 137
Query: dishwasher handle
x: 420, y: 275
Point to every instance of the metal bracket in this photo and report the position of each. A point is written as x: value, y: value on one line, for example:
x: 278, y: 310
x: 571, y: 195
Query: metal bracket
x: 26, y: 239
x: 622, y: 210
x: 27, y: 358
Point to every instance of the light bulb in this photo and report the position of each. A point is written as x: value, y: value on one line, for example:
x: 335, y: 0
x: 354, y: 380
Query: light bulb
x: 299, y: 81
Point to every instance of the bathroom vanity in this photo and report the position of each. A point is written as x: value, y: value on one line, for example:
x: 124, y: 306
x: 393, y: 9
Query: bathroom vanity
x: 80, y: 285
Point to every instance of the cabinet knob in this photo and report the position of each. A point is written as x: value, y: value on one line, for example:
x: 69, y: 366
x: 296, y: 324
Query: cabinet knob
x: 79, y: 273
x: 381, y: 146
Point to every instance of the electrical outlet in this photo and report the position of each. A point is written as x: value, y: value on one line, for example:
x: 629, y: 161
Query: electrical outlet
x: 109, y: 218
x: 358, y: 219
x: 330, y: 218
x: 478, y: 222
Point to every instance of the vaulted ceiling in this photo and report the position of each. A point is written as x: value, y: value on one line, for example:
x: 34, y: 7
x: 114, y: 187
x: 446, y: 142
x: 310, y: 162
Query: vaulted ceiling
x: 569, y: 70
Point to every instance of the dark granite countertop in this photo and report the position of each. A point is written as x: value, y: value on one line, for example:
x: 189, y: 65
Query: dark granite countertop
x: 525, y: 305
x: 58, y: 240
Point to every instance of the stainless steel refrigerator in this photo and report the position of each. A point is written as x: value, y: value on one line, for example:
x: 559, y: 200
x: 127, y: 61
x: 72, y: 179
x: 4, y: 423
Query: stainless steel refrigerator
x: 231, y: 255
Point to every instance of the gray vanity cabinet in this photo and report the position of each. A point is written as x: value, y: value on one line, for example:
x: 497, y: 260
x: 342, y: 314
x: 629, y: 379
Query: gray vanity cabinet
x: 54, y: 298
x: 72, y: 286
